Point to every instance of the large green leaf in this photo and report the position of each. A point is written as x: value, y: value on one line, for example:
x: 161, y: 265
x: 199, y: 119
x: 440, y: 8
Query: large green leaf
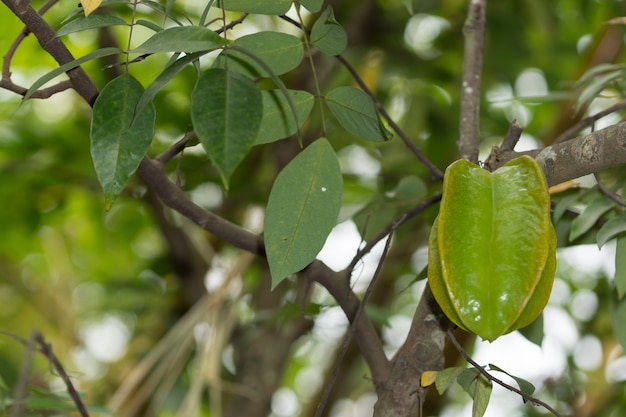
x: 226, y: 111
x: 279, y: 51
x: 278, y: 120
x: 119, y: 139
x: 182, y: 39
x: 272, y: 7
x: 328, y: 35
x: 302, y: 209
x: 356, y: 113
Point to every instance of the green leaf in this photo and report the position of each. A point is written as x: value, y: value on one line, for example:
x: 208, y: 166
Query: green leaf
x: 313, y: 6
x: 70, y: 65
x: 618, y: 317
x: 356, y: 112
x: 596, y: 71
x: 226, y: 111
x: 278, y: 121
x: 91, y: 22
x: 481, y: 388
x: 408, y: 4
x: 588, y: 218
x: 148, y: 24
x: 446, y: 377
x: 279, y: 51
x: 610, y: 229
x: 302, y: 209
x: 273, y: 7
x: 119, y: 140
x: 466, y: 378
x: 620, y: 267
x: 478, y: 387
x: 563, y: 205
x: 596, y: 86
x: 410, y: 188
x: 182, y: 39
x: 534, y: 331
x: 328, y: 35
x: 164, y: 77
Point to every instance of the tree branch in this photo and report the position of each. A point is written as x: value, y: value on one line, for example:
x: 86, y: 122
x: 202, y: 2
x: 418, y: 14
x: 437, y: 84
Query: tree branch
x: 172, y: 196
x: 81, y: 82
x: 474, y: 31
x: 422, y: 351
x: 367, y: 338
x: 584, y: 155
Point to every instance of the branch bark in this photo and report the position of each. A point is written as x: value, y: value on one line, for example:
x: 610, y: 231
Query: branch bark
x: 583, y: 155
x: 403, y: 394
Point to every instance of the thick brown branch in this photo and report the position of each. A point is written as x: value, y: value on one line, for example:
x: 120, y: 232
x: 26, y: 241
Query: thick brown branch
x: 584, y: 155
x: 152, y: 173
x: 474, y: 31
x: 403, y: 394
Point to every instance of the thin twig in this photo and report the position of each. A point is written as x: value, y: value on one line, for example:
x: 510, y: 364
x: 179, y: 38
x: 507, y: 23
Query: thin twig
x: 232, y: 24
x: 423, y: 205
x: 490, y: 377
x: 436, y: 172
x: 46, y: 349
x: 512, y: 136
x: 611, y: 194
x: 589, y: 121
x: 352, y: 329
x: 474, y: 31
x: 6, y: 81
x: 177, y: 148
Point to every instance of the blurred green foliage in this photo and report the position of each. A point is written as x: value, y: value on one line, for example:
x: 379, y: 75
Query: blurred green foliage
x: 66, y: 265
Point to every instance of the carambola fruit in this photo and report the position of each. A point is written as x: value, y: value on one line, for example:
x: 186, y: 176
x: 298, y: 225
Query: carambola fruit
x: 491, y: 258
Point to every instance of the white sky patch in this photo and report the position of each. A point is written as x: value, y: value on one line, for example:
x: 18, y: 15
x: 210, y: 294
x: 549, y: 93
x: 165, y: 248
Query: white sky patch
x: 421, y: 32
x: 531, y: 83
x: 341, y: 247
x: 107, y: 338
